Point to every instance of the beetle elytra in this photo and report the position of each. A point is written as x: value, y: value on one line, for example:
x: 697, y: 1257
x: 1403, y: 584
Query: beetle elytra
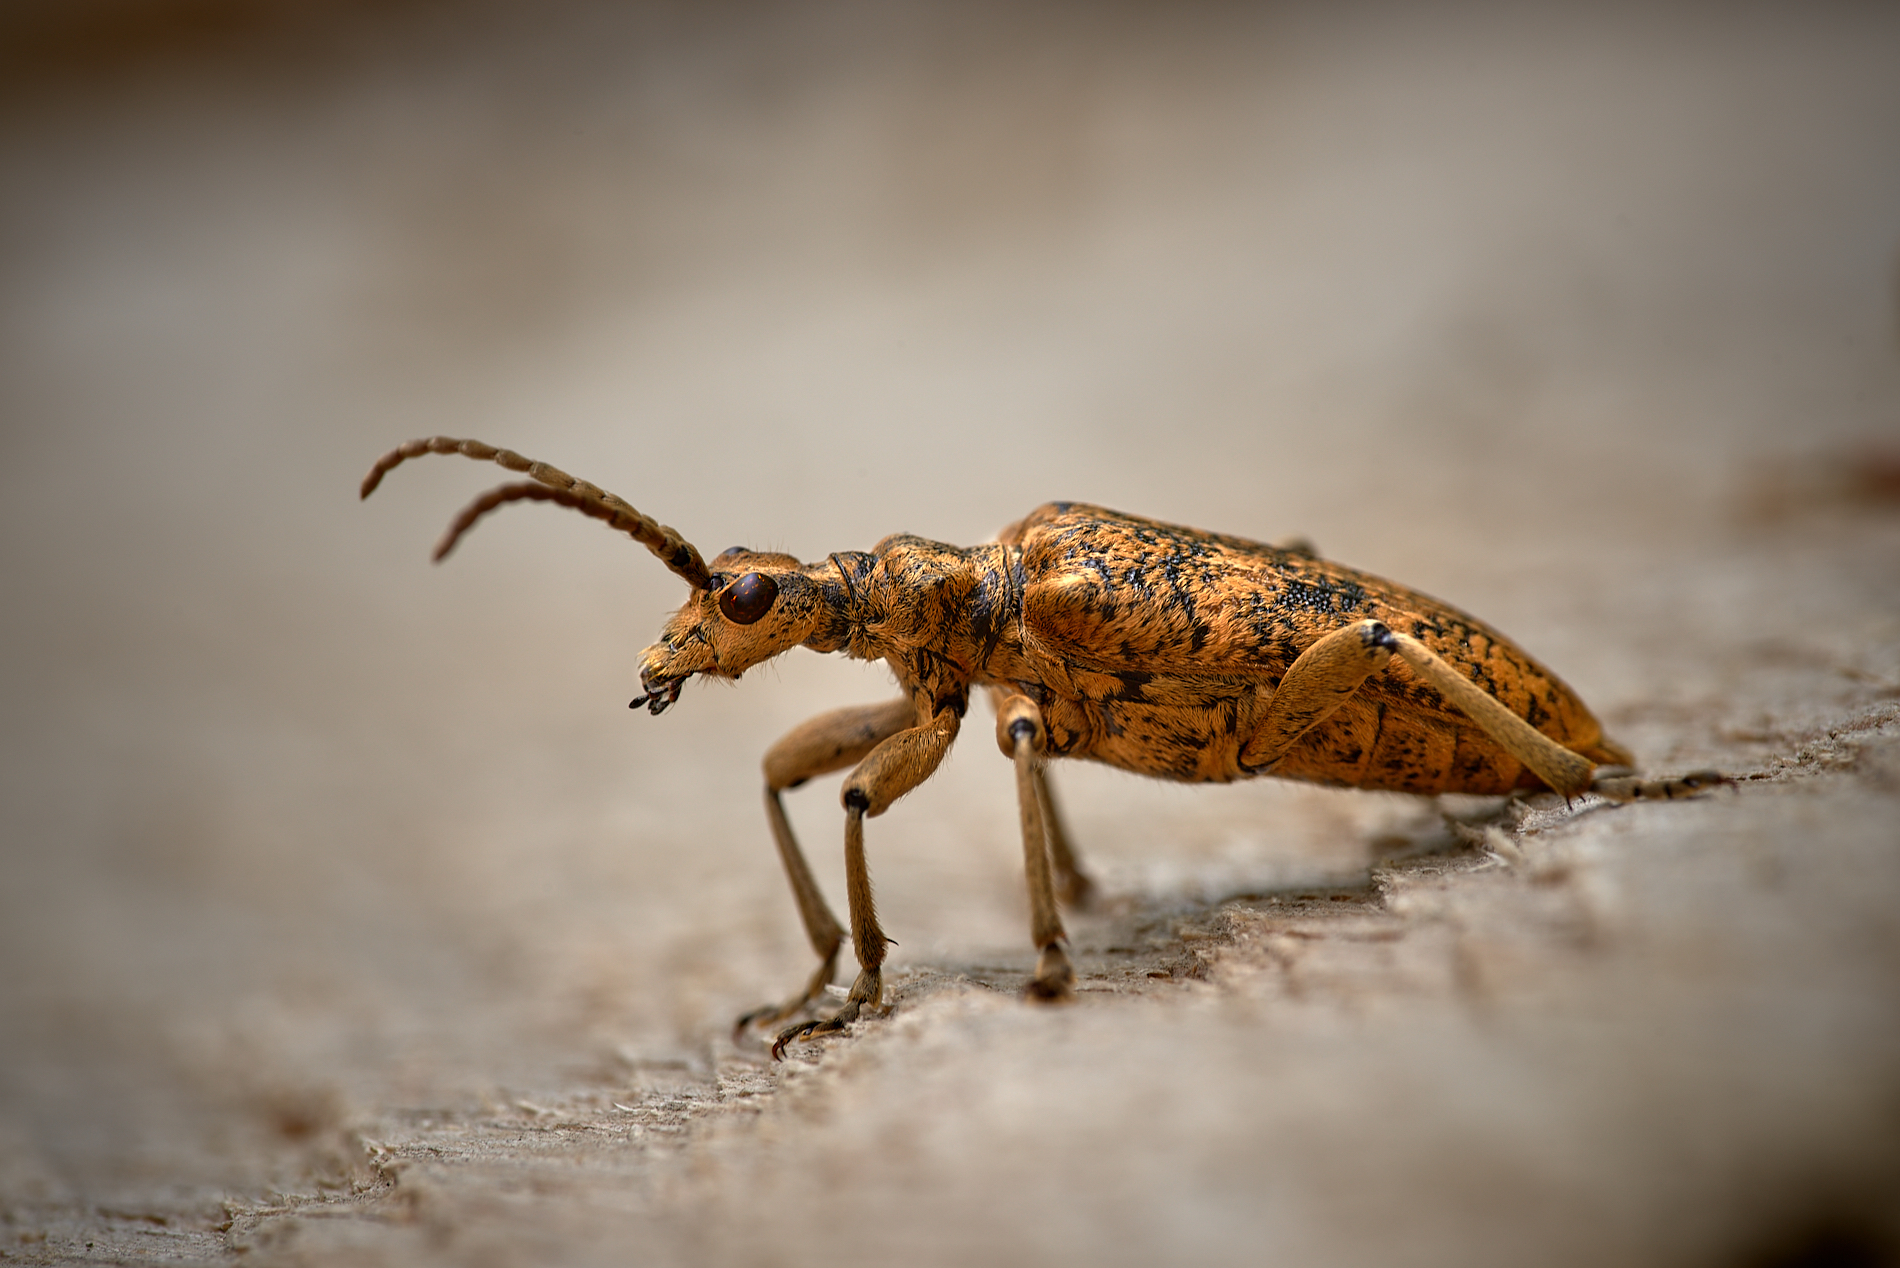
x: 1161, y: 650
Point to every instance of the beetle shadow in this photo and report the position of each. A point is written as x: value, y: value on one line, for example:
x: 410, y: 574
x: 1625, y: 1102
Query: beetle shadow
x: 1130, y: 942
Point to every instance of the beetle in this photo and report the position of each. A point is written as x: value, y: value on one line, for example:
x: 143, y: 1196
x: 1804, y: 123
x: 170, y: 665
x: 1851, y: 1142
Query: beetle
x: 1162, y: 650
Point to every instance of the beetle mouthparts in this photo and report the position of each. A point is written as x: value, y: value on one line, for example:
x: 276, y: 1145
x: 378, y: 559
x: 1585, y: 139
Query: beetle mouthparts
x: 659, y: 695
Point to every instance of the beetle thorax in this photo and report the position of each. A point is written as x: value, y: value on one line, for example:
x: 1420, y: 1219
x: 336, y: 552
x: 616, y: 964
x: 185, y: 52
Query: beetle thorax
x: 936, y: 610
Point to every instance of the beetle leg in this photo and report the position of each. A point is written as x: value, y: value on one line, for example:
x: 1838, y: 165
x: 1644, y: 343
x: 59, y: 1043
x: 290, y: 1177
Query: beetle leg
x: 1323, y: 678
x: 896, y: 765
x: 830, y: 741
x: 1019, y: 731
x: 1073, y: 886
x: 1619, y: 784
x: 1567, y: 772
x: 1326, y: 674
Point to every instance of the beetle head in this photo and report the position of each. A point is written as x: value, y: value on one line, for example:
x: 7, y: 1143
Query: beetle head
x: 746, y: 608
x: 755, y: 605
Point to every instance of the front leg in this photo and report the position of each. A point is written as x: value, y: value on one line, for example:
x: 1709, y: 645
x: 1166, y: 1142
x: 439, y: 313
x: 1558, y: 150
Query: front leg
x: 893, y: 768
x: 830, y: 741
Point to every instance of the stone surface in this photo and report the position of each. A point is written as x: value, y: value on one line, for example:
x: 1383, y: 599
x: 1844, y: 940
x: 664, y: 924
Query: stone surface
x: 348, y: 916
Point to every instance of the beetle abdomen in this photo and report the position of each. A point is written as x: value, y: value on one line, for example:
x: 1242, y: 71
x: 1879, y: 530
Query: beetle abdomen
x: 1152, y: 642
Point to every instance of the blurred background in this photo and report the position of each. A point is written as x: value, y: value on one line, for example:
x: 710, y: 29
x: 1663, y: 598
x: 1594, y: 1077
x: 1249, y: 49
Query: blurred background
x: 1502, y: 300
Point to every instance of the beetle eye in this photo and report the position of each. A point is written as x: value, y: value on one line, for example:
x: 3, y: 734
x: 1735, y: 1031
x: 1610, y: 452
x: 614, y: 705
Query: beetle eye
x: 748, y: 598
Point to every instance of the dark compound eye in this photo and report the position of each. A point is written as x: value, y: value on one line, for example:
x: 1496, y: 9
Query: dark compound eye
x: 748, y: 598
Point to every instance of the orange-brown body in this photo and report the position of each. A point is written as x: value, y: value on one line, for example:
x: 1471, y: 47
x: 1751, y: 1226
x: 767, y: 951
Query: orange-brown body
x: 1148, y: 647
x: 1195, y: 631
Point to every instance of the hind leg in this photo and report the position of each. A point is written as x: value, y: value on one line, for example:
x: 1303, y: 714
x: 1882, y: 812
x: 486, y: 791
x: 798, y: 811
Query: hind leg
x: 1620, y: 785
x: 1327, y: 674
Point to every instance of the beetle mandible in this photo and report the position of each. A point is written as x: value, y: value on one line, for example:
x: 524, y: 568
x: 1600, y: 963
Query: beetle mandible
x: 1161, y: 650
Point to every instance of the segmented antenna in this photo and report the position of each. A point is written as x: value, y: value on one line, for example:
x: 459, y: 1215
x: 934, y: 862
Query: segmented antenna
x: 555, y: 485
x: 523, y: 492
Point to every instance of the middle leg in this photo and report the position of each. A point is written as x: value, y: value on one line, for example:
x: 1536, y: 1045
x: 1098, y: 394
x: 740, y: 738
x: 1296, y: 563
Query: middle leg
x: 1073, y: 885
x: 1019, y: 731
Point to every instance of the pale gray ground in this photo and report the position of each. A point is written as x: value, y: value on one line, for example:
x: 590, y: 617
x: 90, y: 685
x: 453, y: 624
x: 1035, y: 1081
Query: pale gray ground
x: 348, y: 916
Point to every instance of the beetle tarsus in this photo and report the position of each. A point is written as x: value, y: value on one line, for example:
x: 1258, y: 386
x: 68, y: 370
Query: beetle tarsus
x: 1054, y: 982
x: 772, y: 1014
x: 1619, y: 784
x: 810, y: 1030
x: 865, y: 992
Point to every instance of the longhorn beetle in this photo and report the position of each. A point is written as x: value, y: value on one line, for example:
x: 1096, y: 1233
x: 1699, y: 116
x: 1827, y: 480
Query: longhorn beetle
x: 1162, y: 650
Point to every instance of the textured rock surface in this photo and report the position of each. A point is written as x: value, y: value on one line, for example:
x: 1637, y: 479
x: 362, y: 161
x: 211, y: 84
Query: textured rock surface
x: 348, y: 916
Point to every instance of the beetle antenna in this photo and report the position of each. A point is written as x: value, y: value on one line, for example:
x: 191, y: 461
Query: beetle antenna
x: 525, y: 491
x: 554, y: 485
